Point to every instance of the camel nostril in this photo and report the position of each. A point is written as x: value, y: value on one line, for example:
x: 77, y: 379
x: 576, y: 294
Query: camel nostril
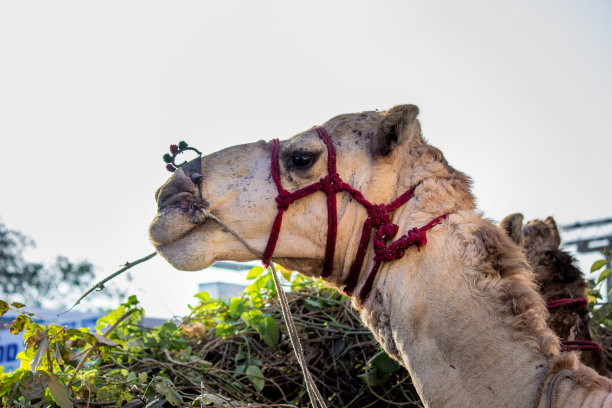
x: 196, y: 178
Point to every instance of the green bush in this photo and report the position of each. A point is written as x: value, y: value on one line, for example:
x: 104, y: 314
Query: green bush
x: 225, y: 353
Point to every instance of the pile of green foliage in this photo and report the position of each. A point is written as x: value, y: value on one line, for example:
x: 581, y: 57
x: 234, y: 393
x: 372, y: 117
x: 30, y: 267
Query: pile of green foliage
x: 225, y: 353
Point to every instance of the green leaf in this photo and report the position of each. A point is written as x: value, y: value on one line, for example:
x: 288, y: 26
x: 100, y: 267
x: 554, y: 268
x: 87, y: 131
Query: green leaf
x: 17, y: 305
x: 256, y: 299
x: 123, y: 396
x: 58, y: 353
x: 4, y: 307
x: 255, y: 319
x: 385, y: 363
x: 604, y: 274
x: 43, y: 347
x: 271, y: 333
x: 255, y: 272
x: 9, y: 380
x: 315, y: 304
x: 32, y: 386
x: 26, y: 356
x: 166, y: 388
x: 168, y: 327
x: 286, y: 273
x: 132, y: 376
x: 59, y: 392
x: 114, y: 393
x: 132, y: 301
x: 236, y: 308
x: 224, y: 330
x: 18, y: 324
x: 270, y: 286
x: 602, y: 313
x: 338, y: 346
x: 157, y: 403
x: 263, y: 281
x: 105, y: 340
x: 203, y: 296
x: 110, y: 318
x: 256, y: 377
x: 207, y: 399
x: 374, y: 377
x: 598, y: 264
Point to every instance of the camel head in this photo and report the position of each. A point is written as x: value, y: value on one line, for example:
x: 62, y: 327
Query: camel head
x: 540, y: 239
x: 382, y: 154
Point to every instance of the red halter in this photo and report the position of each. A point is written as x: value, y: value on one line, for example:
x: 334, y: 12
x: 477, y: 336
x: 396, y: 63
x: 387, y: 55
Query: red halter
x: 379, y: 219
x: 569, y: 345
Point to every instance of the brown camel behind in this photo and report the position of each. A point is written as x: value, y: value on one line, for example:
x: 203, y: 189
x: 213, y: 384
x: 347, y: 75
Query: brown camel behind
x: 559, y: 278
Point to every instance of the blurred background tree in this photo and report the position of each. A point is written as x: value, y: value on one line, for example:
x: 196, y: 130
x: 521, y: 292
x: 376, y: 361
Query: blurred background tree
x: 35, y: 284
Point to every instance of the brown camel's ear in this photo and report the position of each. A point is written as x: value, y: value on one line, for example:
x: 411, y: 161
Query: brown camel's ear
x: 398, y: 125
x: 513, y: 225
x: 555, y: 236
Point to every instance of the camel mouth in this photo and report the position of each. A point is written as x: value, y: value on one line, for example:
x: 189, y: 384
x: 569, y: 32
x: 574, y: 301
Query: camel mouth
x: 177, y: 216
x: 180, y: 200
x: 186, y: 203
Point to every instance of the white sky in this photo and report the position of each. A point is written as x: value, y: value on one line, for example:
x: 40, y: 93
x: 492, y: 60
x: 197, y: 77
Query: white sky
x: 516, y: 94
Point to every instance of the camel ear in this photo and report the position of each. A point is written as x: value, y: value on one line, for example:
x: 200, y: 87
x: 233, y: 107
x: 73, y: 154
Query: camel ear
x: 513, y: 225
x: 399, y: 124
x: 555, y: 236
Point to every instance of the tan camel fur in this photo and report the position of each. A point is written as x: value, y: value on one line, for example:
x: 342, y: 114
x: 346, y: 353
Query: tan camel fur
x: 462, y: 314
x: 558, y: 278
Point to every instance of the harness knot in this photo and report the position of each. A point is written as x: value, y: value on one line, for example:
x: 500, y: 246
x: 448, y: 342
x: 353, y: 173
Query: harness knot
x: 383, y: 234
x: 284, y: 199
x: 417, y: 237
x: 379, y: 214
x: 332, y: 183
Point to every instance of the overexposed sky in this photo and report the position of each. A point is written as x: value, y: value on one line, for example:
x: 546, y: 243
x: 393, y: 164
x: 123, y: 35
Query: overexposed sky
x: 516, y: 94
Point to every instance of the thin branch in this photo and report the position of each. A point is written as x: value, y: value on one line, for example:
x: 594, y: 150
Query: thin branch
x: 100, y: 285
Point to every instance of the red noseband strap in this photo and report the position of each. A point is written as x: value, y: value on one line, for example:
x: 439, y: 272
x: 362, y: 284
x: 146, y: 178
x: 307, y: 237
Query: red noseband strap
x: 379, y: 220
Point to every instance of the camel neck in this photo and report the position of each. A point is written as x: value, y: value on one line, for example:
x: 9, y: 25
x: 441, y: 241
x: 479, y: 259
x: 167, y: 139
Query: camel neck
x: 460, y: 346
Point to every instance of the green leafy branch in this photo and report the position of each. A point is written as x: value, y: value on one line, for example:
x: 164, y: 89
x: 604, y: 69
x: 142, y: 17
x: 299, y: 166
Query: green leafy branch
x: 601, y: 310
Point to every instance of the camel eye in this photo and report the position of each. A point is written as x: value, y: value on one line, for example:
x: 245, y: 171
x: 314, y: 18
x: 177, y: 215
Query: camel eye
x: 301, y: 160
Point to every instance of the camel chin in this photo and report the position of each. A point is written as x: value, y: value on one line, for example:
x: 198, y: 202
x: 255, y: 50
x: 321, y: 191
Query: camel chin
x: 170, y: 225
x: 188, y: 252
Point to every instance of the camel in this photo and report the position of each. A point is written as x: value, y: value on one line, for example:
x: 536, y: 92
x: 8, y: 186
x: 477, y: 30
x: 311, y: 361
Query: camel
x: 453, y: 299
x: 561, y: 284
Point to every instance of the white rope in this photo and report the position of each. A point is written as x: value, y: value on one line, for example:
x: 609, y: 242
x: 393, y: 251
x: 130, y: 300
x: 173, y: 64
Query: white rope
x: 311, y: 387
x: 313, y: 392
